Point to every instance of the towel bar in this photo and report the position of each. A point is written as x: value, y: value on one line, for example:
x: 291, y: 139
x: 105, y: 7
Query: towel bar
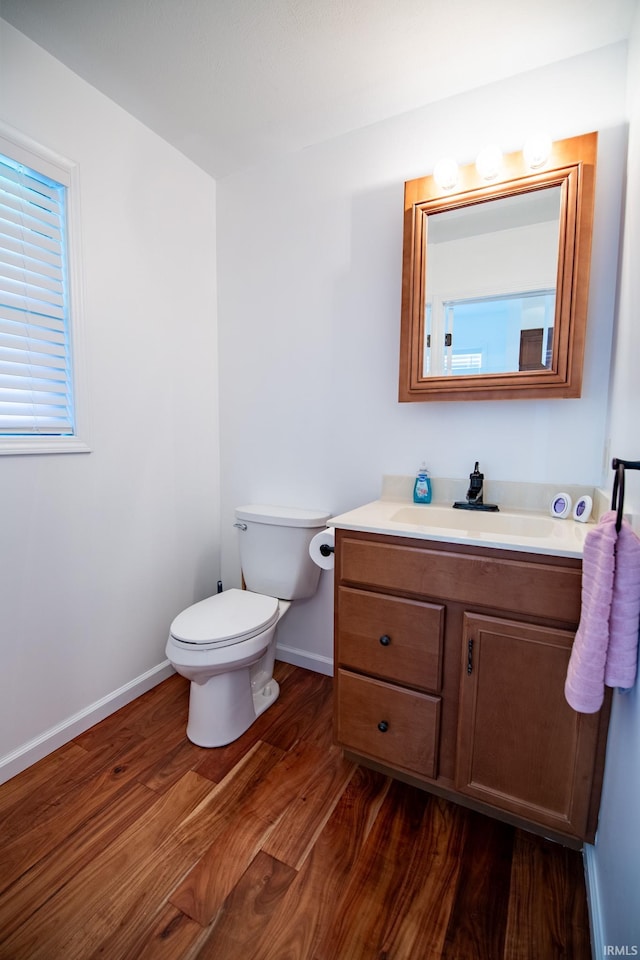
x: 617, y: 498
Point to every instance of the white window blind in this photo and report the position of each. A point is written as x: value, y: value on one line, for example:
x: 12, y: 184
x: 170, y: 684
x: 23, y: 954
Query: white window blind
x: 36, y: 384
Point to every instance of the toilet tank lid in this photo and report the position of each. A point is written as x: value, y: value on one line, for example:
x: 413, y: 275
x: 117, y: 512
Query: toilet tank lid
x: 283, y: 516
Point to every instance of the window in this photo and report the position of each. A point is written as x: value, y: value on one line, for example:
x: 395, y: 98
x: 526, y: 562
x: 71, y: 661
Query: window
x: 39, y: 302
x: 499, y: 333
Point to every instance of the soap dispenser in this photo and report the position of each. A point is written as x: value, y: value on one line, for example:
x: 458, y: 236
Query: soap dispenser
x: 422, y: 486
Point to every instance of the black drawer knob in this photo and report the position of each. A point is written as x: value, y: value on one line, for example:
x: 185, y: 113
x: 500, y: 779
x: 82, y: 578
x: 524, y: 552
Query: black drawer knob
x: 383, y: 726
x: 385, y: 640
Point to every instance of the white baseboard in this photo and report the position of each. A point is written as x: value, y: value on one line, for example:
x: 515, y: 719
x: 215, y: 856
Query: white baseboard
x: 302, y: 658
x: 29, y: 753
x: 593, y: 901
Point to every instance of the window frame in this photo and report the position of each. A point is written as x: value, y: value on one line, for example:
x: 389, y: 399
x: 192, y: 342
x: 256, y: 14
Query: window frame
x: 23, y: 149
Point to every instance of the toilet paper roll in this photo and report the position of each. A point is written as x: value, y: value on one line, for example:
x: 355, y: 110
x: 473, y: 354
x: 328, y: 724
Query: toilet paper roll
x: 327, y: 539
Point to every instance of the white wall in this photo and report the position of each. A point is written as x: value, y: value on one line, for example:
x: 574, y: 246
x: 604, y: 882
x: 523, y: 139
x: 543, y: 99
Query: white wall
x: 309, y: 270
x: 99, y: 551
x: 615, y: 862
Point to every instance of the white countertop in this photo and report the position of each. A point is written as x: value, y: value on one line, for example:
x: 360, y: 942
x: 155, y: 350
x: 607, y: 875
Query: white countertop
x: 525, y: 531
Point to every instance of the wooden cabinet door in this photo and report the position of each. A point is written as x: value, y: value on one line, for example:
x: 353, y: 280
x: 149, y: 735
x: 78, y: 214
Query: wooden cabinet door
x: 520, y: 745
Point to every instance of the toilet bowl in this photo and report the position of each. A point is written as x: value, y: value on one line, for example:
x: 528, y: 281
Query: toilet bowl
x: 225, y: 645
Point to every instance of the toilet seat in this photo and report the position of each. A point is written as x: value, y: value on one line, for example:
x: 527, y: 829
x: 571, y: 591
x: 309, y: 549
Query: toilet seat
x: 222, y: 620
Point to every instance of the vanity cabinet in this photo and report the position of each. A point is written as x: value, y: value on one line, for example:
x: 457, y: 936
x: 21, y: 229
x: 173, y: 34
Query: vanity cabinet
x: 450, y: 668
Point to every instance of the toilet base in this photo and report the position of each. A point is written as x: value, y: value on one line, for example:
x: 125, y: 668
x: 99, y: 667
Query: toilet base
x: 224, y: 707
x: 265, y: 697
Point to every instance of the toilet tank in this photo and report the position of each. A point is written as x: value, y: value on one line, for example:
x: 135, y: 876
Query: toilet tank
x: 274, y: 549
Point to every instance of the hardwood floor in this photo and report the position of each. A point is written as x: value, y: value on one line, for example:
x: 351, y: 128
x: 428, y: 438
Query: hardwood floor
x: 131, y: 842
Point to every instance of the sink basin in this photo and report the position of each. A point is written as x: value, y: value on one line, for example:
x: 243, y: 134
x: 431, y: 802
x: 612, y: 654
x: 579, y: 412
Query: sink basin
x: 446, y: 518
x: 521, y: 530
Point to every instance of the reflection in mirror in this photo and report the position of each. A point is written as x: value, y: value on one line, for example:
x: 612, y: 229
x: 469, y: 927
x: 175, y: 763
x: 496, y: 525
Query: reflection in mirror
x: 490, y: 285
x: 495, y: 280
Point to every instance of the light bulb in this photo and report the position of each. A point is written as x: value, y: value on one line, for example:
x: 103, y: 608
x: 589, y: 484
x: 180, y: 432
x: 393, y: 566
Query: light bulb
x: 537, y: 150
x: 445, y: 173
x: 489, y: 162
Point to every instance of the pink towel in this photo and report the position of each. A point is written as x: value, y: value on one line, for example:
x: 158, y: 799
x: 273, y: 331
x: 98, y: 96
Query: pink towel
x: 584, y: 686
x: 605, y: 649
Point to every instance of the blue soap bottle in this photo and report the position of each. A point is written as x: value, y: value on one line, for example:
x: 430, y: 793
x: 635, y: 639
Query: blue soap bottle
x: 422, y: 486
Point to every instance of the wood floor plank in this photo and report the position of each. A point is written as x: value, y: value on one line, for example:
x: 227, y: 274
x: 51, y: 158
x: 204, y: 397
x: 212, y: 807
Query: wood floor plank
x: 171, y: 765
x: 38, y: 884
x: 31, y: 805
x: 305, y: 816
x: 390, y: 907
x: 478, y: 921
x: 216, y: 764
x: 312, y: 691
x: 165, y: 704
x: 282, y: 671
x: 308, y: 909
x: 204, y: 890
x: 120, y: 760
x: 247, y: 911
x: 159, y: 863
x: 420, y: 929
x: 285, y: 781
x: 547, y: 903
x: 71, y: 923
x: 301, y: 784
x: 174, y: 936
x: 57, y: 821
x: 25, y: 786
x: 321, y: 730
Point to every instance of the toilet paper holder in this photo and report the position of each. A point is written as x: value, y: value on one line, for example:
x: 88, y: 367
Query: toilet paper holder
x: 321, y: 549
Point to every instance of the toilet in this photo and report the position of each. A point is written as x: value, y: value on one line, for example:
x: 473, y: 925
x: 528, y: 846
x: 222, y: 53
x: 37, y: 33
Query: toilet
x: 225, y: 645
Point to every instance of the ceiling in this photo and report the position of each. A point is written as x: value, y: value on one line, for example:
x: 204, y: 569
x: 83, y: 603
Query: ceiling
x: 231, y: 83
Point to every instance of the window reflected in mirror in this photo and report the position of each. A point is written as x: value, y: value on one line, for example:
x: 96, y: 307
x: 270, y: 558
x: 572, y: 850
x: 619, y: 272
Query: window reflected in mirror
x: 500, y: 334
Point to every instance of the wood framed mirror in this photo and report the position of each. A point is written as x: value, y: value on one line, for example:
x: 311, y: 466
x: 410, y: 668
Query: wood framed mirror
x: 495, y: 279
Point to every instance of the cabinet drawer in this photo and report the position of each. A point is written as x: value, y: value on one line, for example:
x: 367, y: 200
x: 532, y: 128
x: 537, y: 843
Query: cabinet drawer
x: 409, y: 720
x: 520, y: 585
x: 393, y: 638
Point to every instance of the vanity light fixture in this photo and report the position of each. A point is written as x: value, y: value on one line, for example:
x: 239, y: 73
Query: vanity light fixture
x: 489, y: 162
x: 445, y: 173
x: 537, y: 150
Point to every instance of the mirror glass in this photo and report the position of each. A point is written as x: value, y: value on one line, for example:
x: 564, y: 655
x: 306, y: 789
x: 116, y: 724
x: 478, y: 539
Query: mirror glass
x: 491, y: 285
x: 495, y: 279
